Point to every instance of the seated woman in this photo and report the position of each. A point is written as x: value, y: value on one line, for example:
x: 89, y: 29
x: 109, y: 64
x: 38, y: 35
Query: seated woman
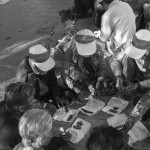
x: 38, y: 70
x: 19, y: 97
x: 106, y: 138
x: 35, y: 128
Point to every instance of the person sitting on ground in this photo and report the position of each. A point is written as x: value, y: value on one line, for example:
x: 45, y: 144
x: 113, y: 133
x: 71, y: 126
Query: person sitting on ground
x: 106, y: 138
x: 117, y: 30
x: 83, y: 65
x: 19, y: 97
x: 38, y: 70
x: 141, y: 72
x: 35, y: 128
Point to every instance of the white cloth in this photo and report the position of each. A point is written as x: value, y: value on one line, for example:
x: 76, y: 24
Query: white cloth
x: 118, y: 28
x: 118, y: 24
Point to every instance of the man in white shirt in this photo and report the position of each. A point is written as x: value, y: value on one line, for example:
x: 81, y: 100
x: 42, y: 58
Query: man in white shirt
x: 117, y: 30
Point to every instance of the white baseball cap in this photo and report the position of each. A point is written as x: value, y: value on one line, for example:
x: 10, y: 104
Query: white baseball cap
x: 86, y: 48
x: 40, y: 57
x: 134, y: 52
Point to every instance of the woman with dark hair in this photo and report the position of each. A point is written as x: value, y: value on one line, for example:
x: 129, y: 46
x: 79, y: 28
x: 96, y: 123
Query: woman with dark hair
x: 106, y: 138
x: 18, y: 98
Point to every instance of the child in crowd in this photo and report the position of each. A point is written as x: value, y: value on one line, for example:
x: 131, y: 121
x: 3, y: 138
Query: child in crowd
x: 106, y: 138
x: 35, y: 128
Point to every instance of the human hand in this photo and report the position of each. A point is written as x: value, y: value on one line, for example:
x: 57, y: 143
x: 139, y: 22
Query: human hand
x: 61, y: 102
x: 99, y: 82
x: 97, y: 33
x: 81, y: 96
x: 132, y: 88
x: 66, y: 136
x: 119, y: 83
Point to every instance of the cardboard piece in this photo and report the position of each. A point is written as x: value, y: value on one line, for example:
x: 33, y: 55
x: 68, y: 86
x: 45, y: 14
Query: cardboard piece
x: 78, y: 130
x: 117, y: 120
x: 115, y: 106
x: 111, y: 110
x: 62, y: 115
x: 138, y: 133
x: 92, y: 107
x: 118, y: 102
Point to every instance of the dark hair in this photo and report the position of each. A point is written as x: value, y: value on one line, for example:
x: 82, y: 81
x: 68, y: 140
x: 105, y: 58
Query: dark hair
x: 17, y: 95
x: 107, y: 1
x: 105, y: 138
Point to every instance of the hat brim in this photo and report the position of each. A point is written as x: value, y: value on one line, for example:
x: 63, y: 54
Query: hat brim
x: 47, y: 65
x: 134, y: 52
x: 86, y: 49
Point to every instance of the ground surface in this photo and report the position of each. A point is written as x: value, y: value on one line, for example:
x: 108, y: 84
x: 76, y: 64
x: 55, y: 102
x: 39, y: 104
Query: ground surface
x: 20, y: 21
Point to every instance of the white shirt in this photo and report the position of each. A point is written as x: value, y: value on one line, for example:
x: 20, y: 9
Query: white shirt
x: 118, y: 24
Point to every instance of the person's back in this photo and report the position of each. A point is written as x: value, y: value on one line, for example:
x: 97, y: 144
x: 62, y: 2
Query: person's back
x: 121, y: 21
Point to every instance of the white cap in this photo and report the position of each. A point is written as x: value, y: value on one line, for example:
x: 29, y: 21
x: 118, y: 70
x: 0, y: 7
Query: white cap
x: 86, y: 49
x: 40, y: 56
x: 135, y: 52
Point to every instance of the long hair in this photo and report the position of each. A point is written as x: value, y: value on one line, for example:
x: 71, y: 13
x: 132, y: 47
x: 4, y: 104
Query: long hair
x: 35, y: 128
x: 16, y: 95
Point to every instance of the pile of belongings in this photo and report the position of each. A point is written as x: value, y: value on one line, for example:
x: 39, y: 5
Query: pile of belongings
x: 107, y: 87
x: 68, y: 15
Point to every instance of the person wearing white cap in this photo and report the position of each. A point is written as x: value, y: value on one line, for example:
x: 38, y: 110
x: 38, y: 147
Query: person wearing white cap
x: 83, y: 63
x: 140, y: 51
x: 117, y: 30
x: 38, y: 70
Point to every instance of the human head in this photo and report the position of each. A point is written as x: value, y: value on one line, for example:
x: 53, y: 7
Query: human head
x: 105, y: 138
x: 85, y: 42
x: 19, y: 97
x: 132, y: 50
x: 40, y: 59
x: 35, y: 128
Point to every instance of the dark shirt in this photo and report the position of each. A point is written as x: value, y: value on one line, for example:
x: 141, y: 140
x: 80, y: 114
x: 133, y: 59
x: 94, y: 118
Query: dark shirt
x: 9, y: 134
x: 46, y: 85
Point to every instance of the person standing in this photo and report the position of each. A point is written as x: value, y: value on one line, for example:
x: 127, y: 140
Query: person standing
x: 117, y: 30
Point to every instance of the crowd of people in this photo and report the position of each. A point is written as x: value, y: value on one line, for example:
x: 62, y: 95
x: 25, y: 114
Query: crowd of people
x: 121, y: 42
